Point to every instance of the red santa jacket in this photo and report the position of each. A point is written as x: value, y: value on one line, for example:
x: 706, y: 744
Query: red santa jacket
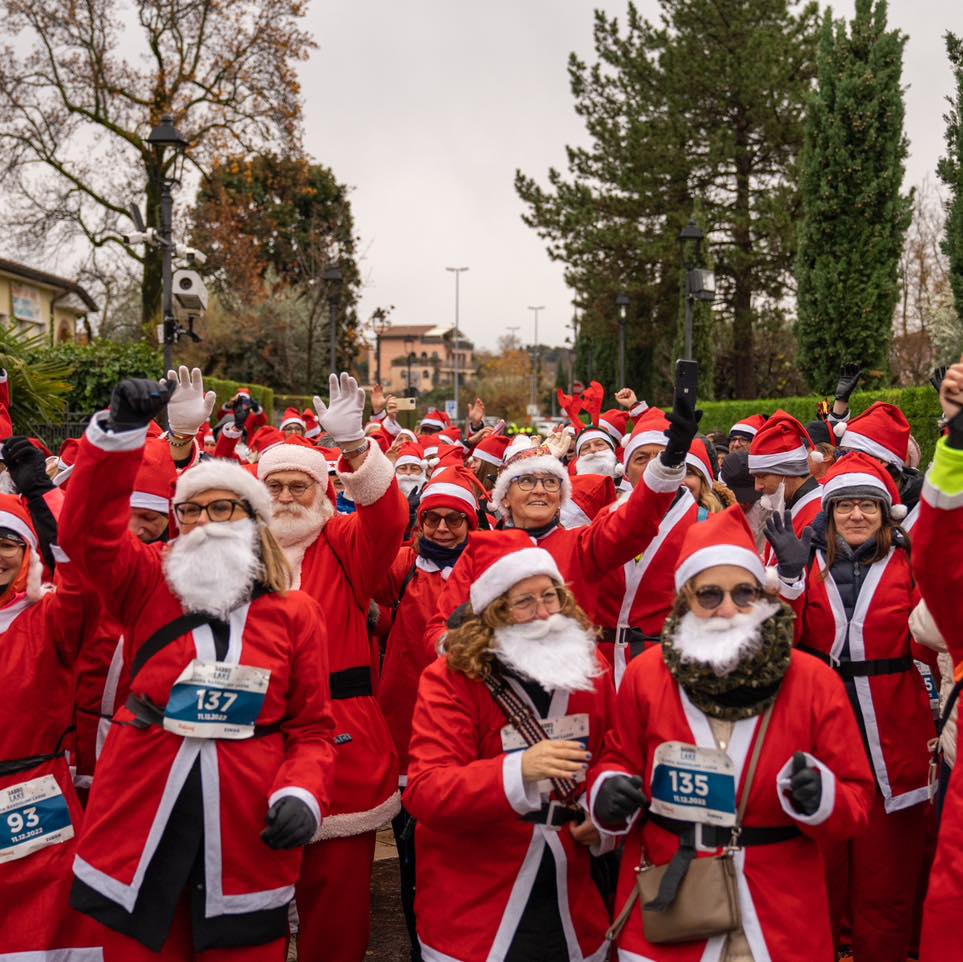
x: 894, y: 709
x: 476, y: 859
x: 241, y: 778
x: 40, y: 642
x: 342, y: 568
x: 584, y: 555
x: 641, y: 593
x: 782, y: 893
x: 407, y: 654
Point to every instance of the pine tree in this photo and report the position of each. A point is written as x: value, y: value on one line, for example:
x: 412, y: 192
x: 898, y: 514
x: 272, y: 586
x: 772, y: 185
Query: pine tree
x: 950, y: 169
x: 855, y: 215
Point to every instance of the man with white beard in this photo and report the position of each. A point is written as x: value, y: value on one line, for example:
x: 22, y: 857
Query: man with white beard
x: 495, y: 776
x: 411, y: 469
x: 340, y: 560
x: 595, y: 452
x: 218, y: 768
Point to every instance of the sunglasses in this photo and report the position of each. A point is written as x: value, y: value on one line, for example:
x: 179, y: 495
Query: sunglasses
x: 431, y: 520
x: 711, y: 596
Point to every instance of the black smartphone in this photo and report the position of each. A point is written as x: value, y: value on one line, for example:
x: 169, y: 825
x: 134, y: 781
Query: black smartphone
x: 687, y: 381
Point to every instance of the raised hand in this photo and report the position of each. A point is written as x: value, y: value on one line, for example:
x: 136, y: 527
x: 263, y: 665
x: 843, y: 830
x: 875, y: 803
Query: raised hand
x: 342, y: 416
x: 377, y: 398
x: 626, y: 398
x: 849, y: 378
x: 792, y: 553
x: 476, y: 413
x: 684, y: 426
x: 189, y: 407
x: 135, y: 402
x: 27, y: 466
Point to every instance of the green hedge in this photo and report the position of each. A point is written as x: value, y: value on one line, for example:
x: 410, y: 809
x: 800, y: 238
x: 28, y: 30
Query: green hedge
x: 225, y: 390
x: 920, y: 405
x: 299, y: 401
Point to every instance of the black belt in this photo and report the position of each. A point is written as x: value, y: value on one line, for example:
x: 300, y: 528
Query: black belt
x: 147, y: 713
x: 862, y: 669
x: 718, y: 836
x: 13, y: 765
x: 351, y: 683
x: 555, y: 815
x: 636, y: 639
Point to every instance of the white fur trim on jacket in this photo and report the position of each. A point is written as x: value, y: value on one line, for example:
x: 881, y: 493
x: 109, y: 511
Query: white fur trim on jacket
x: 99, y: 436
x: 357, y: 823
x: 507, y: 571
x: 544, y: 464
x: 221, y: 473
x: 368, y: 484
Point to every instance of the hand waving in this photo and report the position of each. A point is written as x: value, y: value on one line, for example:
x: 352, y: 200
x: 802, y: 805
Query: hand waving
x: 792, y: 553
x: 189, y: 407
x: 342, y: 416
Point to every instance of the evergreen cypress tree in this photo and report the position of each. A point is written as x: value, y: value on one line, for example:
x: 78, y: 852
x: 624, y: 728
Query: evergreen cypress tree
x: 950, y: 169
x: 855, y: 215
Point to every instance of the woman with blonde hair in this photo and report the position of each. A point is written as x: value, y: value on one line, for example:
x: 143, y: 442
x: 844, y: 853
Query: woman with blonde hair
x: 711, y: 495
x: 504, y: 728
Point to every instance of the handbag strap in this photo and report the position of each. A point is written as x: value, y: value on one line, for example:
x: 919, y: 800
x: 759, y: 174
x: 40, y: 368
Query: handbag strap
x: 753, y: 763
x: 523, y: 720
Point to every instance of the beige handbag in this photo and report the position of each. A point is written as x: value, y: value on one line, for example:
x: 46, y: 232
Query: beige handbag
x: 705, y: 900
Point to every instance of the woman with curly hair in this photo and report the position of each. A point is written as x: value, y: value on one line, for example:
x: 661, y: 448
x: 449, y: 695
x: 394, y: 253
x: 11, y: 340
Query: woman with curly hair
x: 504, y: 728
x: 725, y: 695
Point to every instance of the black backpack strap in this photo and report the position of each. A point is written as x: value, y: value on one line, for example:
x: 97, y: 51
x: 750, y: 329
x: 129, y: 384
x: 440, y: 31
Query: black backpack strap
x: 401, y: 591
x: 169, y: 633
x: 948, y: 707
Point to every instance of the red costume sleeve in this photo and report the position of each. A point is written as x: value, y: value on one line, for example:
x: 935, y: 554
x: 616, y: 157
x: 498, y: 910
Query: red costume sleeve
x: 227, y: 442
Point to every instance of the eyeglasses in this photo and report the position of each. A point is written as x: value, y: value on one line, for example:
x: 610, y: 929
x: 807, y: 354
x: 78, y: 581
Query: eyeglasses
x: 297, y: 488
x: 431, y: 519
x: 865, y: 507
x: 528, y: 482
x: 711, y: 596
x: 9, y: 547
x: 223, y: 509
x: 527, y: 606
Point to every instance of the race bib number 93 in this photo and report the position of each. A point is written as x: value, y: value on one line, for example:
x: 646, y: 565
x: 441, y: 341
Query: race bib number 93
x: 33, y: 815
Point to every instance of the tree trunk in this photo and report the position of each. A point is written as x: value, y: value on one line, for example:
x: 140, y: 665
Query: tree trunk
x: 742, y: 356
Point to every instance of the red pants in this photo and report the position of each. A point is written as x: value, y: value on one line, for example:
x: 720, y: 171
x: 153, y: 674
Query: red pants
x: 872, y: 882
x: 334, y: 899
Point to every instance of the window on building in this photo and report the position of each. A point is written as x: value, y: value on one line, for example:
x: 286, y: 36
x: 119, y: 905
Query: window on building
x: 426, y: 374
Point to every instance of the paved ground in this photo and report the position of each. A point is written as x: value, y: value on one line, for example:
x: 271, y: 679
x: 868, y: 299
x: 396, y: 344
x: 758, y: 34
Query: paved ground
x: 389, y: 937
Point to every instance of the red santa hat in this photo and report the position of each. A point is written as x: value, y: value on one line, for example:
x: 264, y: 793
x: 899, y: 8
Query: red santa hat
x: 15, y: 517
x: 698, y: 458
x: 722, y: 539
x: 450, y: 455
x: 265, y: 438
x: 429, y: 446
x: 454, y: 491
x: 381, y: 437
x: 748, y: 427
x: 591, y: 493
x: 500, y: 559
x: 205, y: 433
x: 65, y: 461
x: 782, y: 446
x: 229, y: 475
x: 592, y: 433
x: 859, y: 475
x: 530, y: 460
x: 312, y: 427
x: 292, y: 416
x: 615, y: 423
x: 451, y: 435
x: 650, y: 428
x: 881, y: 430
x: 332, y: 457
x: 155, y: 479
x: 411, y: 454
x: 435, y: 419
x: 295, y: 454
x: 492, y: 449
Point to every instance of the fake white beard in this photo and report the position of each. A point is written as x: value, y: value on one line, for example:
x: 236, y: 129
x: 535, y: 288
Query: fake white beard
x: 556, y: 652
x: 294, y: 523
x: 213, y: 568
x: 721, y: 643
x: 6, y: 483
x: 408, y: 482
x: 598, y: 462
x: 774, y: 502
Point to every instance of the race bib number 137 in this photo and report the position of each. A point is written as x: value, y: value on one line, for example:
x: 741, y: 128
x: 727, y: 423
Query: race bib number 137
x: 212, y: 699
x: 694, y: 784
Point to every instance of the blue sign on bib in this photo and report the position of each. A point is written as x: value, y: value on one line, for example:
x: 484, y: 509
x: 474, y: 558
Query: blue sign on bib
x: 216, y: 700
x: 33, y: 815
x: 693, y: 784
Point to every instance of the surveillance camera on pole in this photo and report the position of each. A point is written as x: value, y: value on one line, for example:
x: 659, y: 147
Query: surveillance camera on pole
x: 148, y: 237
x: 190, y: 254
x: 190, y: 295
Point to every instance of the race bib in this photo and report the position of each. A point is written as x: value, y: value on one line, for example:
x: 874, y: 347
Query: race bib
x: 211, y: 699
x: 567, y: 728
x: 694, y: 784
x: 33, y: 815
x: 932, y: 689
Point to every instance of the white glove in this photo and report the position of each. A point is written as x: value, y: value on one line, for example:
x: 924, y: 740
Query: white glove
x: 189, y: 407
x: 343, y: 416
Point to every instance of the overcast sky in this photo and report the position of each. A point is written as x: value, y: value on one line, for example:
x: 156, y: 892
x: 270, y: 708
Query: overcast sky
x: 427, y: 107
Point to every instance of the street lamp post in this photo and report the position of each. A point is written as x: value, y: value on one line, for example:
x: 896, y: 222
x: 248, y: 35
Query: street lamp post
x: 536, y: 357
x: 332, y: 277
x: 623, y: 304
x: 409, y: 352
x: 380, y: 324
x: 700, y: 284
x: 457, y: 271
x: 165, y: 135
x: 573, y: 324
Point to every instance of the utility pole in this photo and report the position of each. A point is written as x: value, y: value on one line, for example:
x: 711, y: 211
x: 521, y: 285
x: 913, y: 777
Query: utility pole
x: 536, y: 357
x: 456, y: 338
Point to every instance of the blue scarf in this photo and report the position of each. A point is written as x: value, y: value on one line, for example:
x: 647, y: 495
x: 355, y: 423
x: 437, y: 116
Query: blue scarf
x: 435, y: 553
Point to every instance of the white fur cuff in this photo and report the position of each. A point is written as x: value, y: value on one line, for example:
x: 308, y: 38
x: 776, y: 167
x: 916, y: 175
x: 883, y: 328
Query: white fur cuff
x: 100, y: 437
x: 368, y: 484
x: 826, y: 803
x: 662, y: 479
x: 303, y: 795
x: 523, y: 798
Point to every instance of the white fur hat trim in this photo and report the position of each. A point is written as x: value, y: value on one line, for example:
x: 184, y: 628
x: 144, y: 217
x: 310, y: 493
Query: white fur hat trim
x: 220, y: 473
x: 540, y: 464
x: 505, y: 573
x: 294, y: 457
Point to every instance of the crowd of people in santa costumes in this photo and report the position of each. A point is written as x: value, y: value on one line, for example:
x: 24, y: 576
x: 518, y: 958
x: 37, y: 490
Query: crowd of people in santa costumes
x: 626, y: 690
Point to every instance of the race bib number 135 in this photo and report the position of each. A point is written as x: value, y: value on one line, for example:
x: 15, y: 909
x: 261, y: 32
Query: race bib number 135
x: 694, y: 784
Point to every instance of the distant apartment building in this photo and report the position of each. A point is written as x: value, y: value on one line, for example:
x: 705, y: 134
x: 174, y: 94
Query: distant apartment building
x: 37, y: 302
x: 430, y: 353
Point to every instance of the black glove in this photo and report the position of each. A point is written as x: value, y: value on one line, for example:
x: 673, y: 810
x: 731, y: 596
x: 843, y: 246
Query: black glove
x: 27, y: 467
x: 937, y: 377
x: 684, y: 427
x: 792, y: 553
x: 290, y: 824
x: 805, y: 785
x: 136, y: 402
x: 848, y: 379
x: 619, y: 798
